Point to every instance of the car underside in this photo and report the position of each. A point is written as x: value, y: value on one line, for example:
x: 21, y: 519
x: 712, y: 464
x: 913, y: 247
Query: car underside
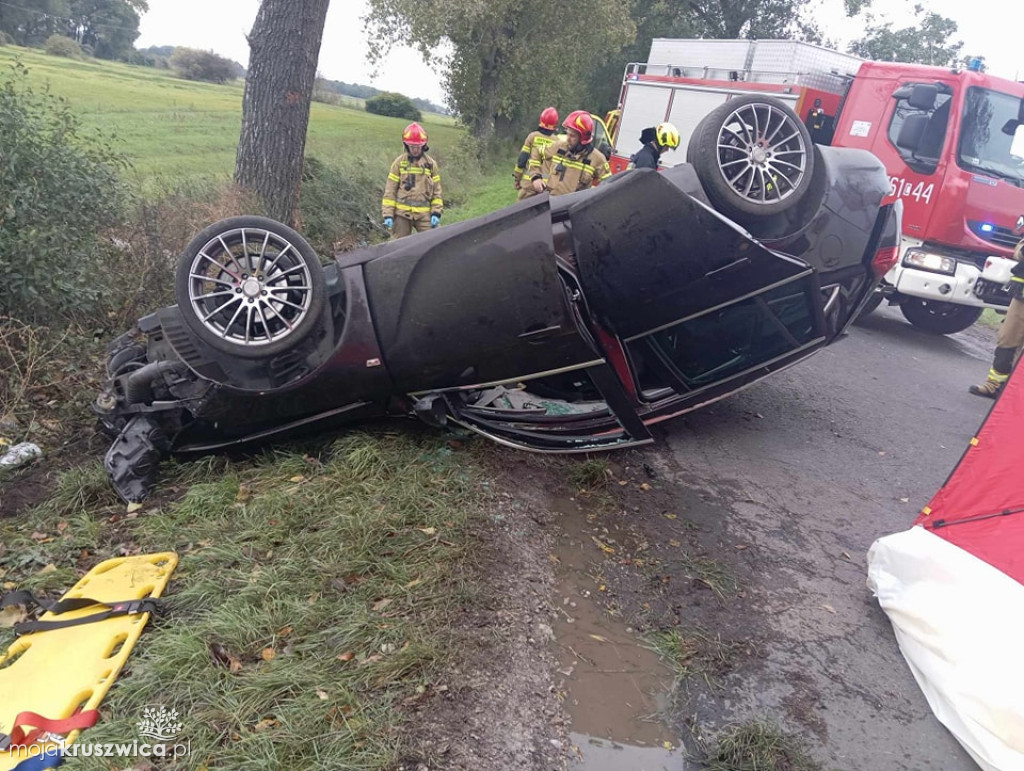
x: 567, y: 324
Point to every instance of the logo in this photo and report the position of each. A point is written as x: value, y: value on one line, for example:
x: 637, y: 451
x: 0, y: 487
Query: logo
x: 159, y: 723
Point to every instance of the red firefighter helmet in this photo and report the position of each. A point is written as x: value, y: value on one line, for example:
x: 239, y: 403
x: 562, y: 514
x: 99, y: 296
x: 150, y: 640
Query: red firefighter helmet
x: 414, y: 135
x: 580, y: 120
x: 549, y: 118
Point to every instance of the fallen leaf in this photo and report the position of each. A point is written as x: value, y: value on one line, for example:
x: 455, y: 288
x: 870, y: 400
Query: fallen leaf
x: 623, y: 482
x: 322, y: 695
x: 829, y: 608
x: 602, y: 545
x: 644, y: 486
x: 297, y: 478
x: 846, y: 554
x: 12, y: 614
x: 346, y: 656
x: 244, y: 494
x: 379, y: 605
x: 51, y: 568
x: 37, y: 536
x: 668, y: 745
x: 671, y: 516
x: 10, y: 585
x: 881, y: 452
x: 598, y: 637
x: 267, y: 654
x: 427, y: 530
x: 284, y: 631
x: 904, y: 500
x: 601, y: 588
x: 131, y: 508
x: 371, y: 659
x: 266, y: 723
x: 413, y: 583
x: 62, y: 526
x: 674, y: 542
x: 742, y: 546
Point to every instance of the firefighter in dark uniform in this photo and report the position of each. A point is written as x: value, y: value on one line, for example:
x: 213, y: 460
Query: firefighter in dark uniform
x: 542, y: 137
x: 572, y: 163
x: 412, y: 195
x: 655, y: 141
x: 1011, y: 332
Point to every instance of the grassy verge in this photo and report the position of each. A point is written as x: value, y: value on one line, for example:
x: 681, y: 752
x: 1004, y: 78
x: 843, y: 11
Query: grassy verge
x: 758, y: 746
x: 696, y: 653
x: 313, y: 601
x: 990, y: 318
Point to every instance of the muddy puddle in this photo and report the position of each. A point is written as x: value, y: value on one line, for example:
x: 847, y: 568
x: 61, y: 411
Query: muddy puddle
x: 614, y: 687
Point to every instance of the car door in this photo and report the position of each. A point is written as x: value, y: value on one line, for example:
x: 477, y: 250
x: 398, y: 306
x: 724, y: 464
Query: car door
x: 700, y: 305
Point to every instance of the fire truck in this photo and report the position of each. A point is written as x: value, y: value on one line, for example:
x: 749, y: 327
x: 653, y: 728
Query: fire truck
x: 951, y: 141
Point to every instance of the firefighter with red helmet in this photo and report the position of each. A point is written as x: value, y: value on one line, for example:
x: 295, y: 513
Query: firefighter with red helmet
x: 542, y: 137
x: 412, y: 196
x: 572, y: 163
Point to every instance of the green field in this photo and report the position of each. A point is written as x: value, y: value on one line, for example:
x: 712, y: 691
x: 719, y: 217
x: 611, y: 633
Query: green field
x: 178, y: 129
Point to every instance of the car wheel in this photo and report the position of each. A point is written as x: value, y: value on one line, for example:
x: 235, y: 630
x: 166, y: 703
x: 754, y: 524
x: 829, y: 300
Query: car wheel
x: 938, y: 317
x: 754, y: 157
x: 250, y: 286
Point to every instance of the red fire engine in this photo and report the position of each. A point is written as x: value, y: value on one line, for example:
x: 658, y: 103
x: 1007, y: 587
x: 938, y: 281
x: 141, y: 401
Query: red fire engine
x: 951, y: 140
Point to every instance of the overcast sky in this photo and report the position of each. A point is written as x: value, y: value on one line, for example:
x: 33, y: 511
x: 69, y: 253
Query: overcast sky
x: 220, y: 26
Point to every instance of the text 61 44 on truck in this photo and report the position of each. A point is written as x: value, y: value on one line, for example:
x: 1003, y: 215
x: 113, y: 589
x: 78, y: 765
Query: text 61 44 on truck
x: 951, y: 141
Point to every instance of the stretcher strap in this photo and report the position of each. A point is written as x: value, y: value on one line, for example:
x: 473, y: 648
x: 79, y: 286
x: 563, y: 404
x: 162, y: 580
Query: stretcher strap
x: 114, y: 609
x: 38, y: 725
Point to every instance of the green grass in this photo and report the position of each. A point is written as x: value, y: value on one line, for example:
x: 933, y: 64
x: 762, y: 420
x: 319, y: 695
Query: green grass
x: 695, y: 653
x: 176, y: 129
x: 990, y: 318
x: 314, y: 600
x: 758, y: 746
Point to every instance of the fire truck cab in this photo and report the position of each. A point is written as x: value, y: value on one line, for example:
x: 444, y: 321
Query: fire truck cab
x: 952, y: 142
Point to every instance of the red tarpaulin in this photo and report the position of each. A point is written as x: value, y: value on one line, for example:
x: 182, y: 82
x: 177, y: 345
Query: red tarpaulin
x: 981, y: 506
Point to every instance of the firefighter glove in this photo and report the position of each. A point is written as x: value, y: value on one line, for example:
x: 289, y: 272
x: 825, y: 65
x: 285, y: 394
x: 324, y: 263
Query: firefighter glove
x: 389, y: 223
x: 435, y: 220
x: 1016, y: 288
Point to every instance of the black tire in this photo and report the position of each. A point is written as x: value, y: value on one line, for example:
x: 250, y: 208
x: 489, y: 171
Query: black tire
x: 754, y: 157
x: 937, y: 317
x: 250, y: 286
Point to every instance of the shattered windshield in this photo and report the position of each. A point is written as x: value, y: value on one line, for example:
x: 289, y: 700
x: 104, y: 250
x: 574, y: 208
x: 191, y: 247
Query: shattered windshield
x: 984, y: 147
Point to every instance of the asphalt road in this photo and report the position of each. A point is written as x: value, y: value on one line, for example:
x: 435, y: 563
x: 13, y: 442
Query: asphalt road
x: 809, y: 468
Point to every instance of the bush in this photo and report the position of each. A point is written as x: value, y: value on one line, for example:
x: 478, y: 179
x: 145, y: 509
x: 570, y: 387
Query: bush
x: 340, y: 208
x: 191, y: 64
x: 59, y: 191
x: 394, y: 106
x: 58, y: 45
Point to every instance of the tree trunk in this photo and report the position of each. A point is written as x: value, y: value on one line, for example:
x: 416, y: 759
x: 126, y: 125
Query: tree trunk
x: 283, y: 49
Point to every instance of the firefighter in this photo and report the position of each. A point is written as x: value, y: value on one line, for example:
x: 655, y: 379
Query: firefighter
x: 412, y: 196
x: 542, y: 137
x: 655, y: 141
x: 572, y: 163
x: 1011, y: 331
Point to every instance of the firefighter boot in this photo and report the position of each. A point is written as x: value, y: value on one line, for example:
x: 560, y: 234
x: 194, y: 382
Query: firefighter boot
x: 992, y: 386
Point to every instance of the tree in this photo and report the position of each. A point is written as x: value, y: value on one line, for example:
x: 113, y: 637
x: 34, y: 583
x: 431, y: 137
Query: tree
x: 508, y: 57
x: 283, y: 49
x: 191, y: 64
x: 929, y: 41
x: 393, y: 105
x: 107, y: 27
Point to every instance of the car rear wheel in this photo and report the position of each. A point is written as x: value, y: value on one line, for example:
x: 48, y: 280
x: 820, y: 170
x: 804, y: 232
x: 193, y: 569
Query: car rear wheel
x: 938, y: 317
x: 871, y: 305
x: 250, y: 286
x: 754, y: 157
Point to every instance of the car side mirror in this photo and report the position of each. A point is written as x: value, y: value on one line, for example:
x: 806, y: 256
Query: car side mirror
x: 1010, y: 127
x: 1020, y: 224
x: 923, y: 96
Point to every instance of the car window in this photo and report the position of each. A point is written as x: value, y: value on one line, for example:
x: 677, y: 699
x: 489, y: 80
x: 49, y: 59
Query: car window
x: 729, y: 340
x: 925, y: 157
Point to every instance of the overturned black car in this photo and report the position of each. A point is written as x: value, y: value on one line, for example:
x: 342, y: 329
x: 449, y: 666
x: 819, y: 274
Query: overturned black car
x: 562, y: 325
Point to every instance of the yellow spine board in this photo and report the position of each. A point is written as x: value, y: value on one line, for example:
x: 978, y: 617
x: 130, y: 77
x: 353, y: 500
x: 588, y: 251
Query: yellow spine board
x: 56, y: 672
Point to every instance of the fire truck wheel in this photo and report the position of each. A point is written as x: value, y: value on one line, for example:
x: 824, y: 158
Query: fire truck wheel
x: 937, y: 317
x: 754, y: 157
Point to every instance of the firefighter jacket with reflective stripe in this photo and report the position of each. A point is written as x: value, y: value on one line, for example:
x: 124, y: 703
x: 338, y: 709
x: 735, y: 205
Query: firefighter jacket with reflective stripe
x: 540, y: 138
x: 1018, y: 255
x: 566, y: 171
x: 413, y: 189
